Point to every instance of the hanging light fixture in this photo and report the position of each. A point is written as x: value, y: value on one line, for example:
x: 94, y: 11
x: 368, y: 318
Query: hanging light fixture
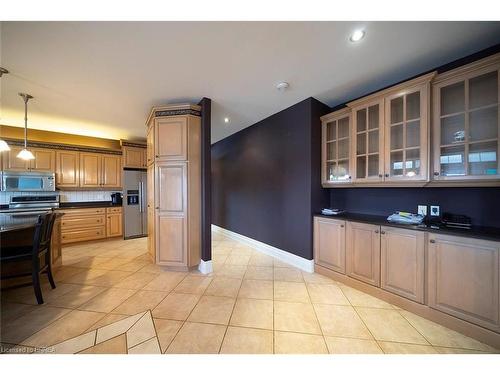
x: 25, y: 154
x: 3, y: 145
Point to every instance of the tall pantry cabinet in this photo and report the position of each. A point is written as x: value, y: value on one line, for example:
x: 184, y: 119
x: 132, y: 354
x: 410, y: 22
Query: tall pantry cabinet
x: 174, y: 185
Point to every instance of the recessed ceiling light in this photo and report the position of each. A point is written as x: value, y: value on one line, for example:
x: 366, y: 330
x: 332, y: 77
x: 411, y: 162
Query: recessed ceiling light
x: 226, y: 120
x: 282, y: 86
x: 357, y: 36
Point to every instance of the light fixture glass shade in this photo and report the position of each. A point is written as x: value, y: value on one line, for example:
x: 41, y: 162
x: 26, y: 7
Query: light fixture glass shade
x: 4, y: 146
x: 25, y: 154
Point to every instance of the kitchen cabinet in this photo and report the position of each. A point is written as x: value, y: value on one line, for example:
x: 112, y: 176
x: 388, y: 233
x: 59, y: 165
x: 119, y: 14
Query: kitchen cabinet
x: 407, y: 133
x: 402, y: 262
x: 67, y: 169
x: 55, y: 243
x: 134, y: 157
x: 111, y: 171
x: 114, y: 222
x: 100, y: 170
x: 466, y: 123
x: 463, y: 278
x: 150, y: 150
x: 329, y: 243
x: 44, y: 160
x: 363, y: 252
x: 174, y: 180
x: 368, y: 141
x: 171, y: 138
x: 90, y: 170
x: 336, y: 148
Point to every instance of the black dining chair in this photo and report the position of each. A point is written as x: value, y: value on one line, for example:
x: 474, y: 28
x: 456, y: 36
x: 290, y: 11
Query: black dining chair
x: 38, y: 250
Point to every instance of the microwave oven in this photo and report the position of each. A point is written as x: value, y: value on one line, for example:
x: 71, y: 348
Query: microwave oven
x: 28, y: 181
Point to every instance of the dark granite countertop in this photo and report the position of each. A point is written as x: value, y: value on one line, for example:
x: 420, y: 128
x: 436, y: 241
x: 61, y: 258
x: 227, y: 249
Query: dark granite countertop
x: 95, y: 204
x: 13, y: 221
x: 485, y: 233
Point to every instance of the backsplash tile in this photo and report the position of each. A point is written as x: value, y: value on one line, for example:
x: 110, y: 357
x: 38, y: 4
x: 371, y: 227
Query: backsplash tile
x: 65, y: 196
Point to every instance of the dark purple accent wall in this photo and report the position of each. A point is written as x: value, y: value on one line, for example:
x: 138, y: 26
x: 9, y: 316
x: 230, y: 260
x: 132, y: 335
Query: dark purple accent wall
x: 206, y: 185
x: 481, y: 204
x: 265, y: 178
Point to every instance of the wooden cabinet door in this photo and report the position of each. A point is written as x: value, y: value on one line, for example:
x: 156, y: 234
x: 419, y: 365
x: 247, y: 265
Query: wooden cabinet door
x: 171, y: 214
x: 402, y: 262
x: 111, y: 171
x: 45, y: 160
x: 150, y: 150
x: 90, y: 170
x: 12, y: 163
x: 363, y: 252
x: 463, y: 278
x: 336, y: 165
x: 67, y: 169
x: 407, y: 134
x: 144, y: 157
x: 132, y: 157
x: 171, y: 138
x: 151, y: 233
x: 368, y: 142
x: 114, y: 226
x: 329, y: 243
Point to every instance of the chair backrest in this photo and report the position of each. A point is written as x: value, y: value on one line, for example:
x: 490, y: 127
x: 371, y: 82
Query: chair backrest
x: 43, y: 232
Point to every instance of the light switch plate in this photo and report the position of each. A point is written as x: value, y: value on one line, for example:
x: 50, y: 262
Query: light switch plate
x: 435, y: 210
x: 422, y: 210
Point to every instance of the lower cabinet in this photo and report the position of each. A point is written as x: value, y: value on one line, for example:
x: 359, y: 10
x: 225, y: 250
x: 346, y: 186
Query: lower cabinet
x: 463, y: 276
x: 172, y: 241
x: 329, y: 243
x: 363, y: 252
x: 55, y: 242
x: 402, y: 264
x: 86, y: 224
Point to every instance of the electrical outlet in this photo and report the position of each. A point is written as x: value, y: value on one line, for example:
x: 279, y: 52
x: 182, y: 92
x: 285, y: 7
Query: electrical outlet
x: 435, y: 210
x: 422, y: 210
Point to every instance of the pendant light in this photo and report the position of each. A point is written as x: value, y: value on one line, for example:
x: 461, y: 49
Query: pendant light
x: 25, y: 154
x: 3, y: 145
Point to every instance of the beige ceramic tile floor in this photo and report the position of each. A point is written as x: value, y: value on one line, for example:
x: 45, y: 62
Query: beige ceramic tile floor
x: 110, y: 298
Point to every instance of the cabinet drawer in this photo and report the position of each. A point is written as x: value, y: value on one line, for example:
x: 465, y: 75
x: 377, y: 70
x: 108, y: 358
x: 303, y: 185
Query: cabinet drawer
x: 83, y: 221
x: 83, y: 235
x: 82, y: 211
x: 114, y: 210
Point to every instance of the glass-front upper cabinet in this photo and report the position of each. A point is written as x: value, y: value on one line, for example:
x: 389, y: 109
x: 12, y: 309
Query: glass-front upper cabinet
x: 406, y: 134
x: 466, y: 123
x: 336, y: 130
x: 368, y: 142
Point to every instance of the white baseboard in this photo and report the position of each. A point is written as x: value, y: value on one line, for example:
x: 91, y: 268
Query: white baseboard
x: 282, y: 255
x: 205, y: 267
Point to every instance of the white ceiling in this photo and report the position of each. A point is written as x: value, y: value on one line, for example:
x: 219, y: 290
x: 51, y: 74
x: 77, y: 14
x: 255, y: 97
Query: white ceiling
x: 101, y: 78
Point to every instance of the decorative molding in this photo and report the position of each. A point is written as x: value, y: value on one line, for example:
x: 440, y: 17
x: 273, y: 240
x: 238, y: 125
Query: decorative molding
x: 62, y: 146
x: 177, y: 112
x: 205, y: 267
x: 337, y: 114
x: 125, y: 143
x: 468, y: 68
x: 282, y: 255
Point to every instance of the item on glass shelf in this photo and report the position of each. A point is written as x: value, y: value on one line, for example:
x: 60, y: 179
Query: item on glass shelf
x: 459, y: 136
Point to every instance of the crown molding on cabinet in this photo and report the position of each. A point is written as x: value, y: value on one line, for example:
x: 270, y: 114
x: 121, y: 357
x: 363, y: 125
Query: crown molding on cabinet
x: 63, y: 146
x: 174, y: 110
x: 469, y: 68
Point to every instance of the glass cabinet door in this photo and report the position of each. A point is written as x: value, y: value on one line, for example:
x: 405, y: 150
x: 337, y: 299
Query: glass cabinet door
x: 336, y: 150
x: 406, y: 116
x: 467, y: 127
x: 368, y: 133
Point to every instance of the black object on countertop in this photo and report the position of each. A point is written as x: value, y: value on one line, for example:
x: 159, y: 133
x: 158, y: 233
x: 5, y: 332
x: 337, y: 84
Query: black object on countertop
x: 480, y: 232
x: 95, y: 204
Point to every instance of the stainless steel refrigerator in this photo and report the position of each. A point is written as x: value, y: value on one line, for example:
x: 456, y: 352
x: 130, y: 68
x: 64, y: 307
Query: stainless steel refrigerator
x: 134, y: 203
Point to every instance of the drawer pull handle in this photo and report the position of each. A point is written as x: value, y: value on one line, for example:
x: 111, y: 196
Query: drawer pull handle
x: 432, y: 241
x: 376, y: 231
x: 342, y: 225
x: 382, y: 232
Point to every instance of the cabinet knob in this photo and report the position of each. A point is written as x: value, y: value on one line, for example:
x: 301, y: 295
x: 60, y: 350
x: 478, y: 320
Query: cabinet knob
x: 380, y: 175
x: 436, y: 173
x: 349, y: 177
x: 157, y: 208
x: 376, y: 231
x: 382, y: 232
x: 432, y: 241
x: 342, y: 225
x: 387, y: 175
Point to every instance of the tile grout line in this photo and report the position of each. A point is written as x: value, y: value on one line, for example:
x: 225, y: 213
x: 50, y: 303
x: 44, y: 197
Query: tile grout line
x: 316, y: 315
